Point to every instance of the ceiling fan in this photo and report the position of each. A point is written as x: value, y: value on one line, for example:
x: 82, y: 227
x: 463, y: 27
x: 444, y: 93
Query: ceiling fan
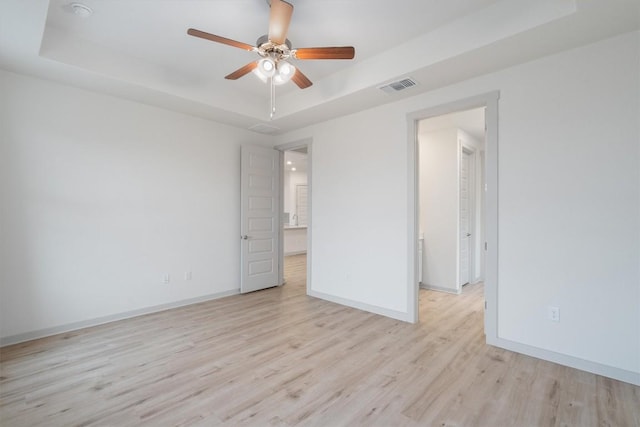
x: 275, y: 49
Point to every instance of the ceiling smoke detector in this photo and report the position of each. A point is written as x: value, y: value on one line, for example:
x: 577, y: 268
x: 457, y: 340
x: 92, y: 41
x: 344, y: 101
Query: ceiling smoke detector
x: 81, y: 10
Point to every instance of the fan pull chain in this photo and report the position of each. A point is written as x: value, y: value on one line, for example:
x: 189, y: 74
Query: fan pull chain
x: 273, y: 99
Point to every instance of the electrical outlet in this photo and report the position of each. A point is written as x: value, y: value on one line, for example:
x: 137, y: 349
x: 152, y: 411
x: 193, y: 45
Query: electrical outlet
x: 166, y: 278
x: 553, y: 314
x: 187, y: 275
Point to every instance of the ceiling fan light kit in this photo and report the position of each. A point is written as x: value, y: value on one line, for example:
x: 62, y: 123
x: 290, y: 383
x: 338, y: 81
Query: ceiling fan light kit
x: 285, y: 72
x: 266, y: 67
x: 275, y: 50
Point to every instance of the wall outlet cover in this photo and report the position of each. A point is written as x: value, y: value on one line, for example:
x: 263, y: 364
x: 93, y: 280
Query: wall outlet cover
x: 553, y: 313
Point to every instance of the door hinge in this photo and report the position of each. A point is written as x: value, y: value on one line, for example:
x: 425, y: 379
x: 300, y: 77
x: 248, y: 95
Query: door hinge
x: 485, y: 305
x: 485, y: 246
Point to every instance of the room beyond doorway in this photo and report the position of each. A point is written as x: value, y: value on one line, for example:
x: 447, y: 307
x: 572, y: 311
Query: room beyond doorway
x: 295, y: 197
x: 295, y: 210
x: 489, y: 101
x: 451, y: 151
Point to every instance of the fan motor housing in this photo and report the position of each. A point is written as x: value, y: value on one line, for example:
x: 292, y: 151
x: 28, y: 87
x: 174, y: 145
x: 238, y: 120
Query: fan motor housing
x: 266, y: 47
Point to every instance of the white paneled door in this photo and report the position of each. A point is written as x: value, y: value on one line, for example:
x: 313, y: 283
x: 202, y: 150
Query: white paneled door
x: 259, y: 233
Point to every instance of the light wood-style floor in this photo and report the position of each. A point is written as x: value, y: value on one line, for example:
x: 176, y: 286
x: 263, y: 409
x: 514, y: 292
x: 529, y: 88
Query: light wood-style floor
x: 278, y: 357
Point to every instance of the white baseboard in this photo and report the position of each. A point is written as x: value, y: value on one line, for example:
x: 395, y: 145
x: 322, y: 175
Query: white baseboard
x: 398, y: 315
x: 46, y: 332
x: 295, y: 253
x: 573, y: 362
x: 440, y: 289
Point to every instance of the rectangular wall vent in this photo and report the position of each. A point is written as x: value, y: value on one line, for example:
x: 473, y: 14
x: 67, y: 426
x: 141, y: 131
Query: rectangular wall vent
x: 398, y: 86
x: 262, y: 128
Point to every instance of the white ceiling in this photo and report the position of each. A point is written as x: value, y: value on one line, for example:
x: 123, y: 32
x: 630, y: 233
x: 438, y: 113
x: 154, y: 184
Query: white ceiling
x: 139, y: 49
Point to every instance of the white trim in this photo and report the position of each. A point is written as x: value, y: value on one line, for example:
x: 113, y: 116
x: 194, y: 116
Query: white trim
x: 309, y: 143
x: 441, y: 289
x: 46, y: 332
x: 412, y: 222
x: 490, y: 101
x: 491, y: 283
x: 398, y: 315
x: 295, y: 253
x: 280, y: 224
x: 566, y: 360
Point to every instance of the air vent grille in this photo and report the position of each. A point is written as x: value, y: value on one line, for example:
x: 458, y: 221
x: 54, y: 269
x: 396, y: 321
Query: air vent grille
x: 398, y: 85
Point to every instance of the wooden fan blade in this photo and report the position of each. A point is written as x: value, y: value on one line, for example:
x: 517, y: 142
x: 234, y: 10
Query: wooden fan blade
x: 300, y: 79
x: 279, y: 20
x: 223, y: 40
x: 242, y: 71
x: 342, y: 52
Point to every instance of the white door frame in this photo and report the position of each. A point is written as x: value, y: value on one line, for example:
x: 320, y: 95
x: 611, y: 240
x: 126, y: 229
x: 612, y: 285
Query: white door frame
x: 307, y: 142
x: 490, y: 101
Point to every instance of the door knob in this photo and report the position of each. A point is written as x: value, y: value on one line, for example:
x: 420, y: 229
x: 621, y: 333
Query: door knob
x: 468, y: 234
x: 245, y: 237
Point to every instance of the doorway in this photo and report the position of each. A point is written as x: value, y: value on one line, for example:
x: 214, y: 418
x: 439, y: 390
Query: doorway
x: 489, y: 184
x: 450, y: 148
x: 295, y: 213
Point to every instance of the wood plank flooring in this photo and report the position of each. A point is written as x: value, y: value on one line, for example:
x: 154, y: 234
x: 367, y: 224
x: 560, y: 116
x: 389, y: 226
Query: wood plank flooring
x: 278, y: 357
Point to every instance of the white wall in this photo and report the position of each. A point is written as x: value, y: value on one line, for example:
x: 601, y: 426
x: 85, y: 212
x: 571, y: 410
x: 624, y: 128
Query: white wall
x: 569, y: 204
x: 100, y: 197
x: 359, y: 178
x: 439, y: 208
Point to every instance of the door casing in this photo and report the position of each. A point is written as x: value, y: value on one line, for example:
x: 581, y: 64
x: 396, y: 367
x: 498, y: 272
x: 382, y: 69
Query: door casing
x: 490, y: 102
